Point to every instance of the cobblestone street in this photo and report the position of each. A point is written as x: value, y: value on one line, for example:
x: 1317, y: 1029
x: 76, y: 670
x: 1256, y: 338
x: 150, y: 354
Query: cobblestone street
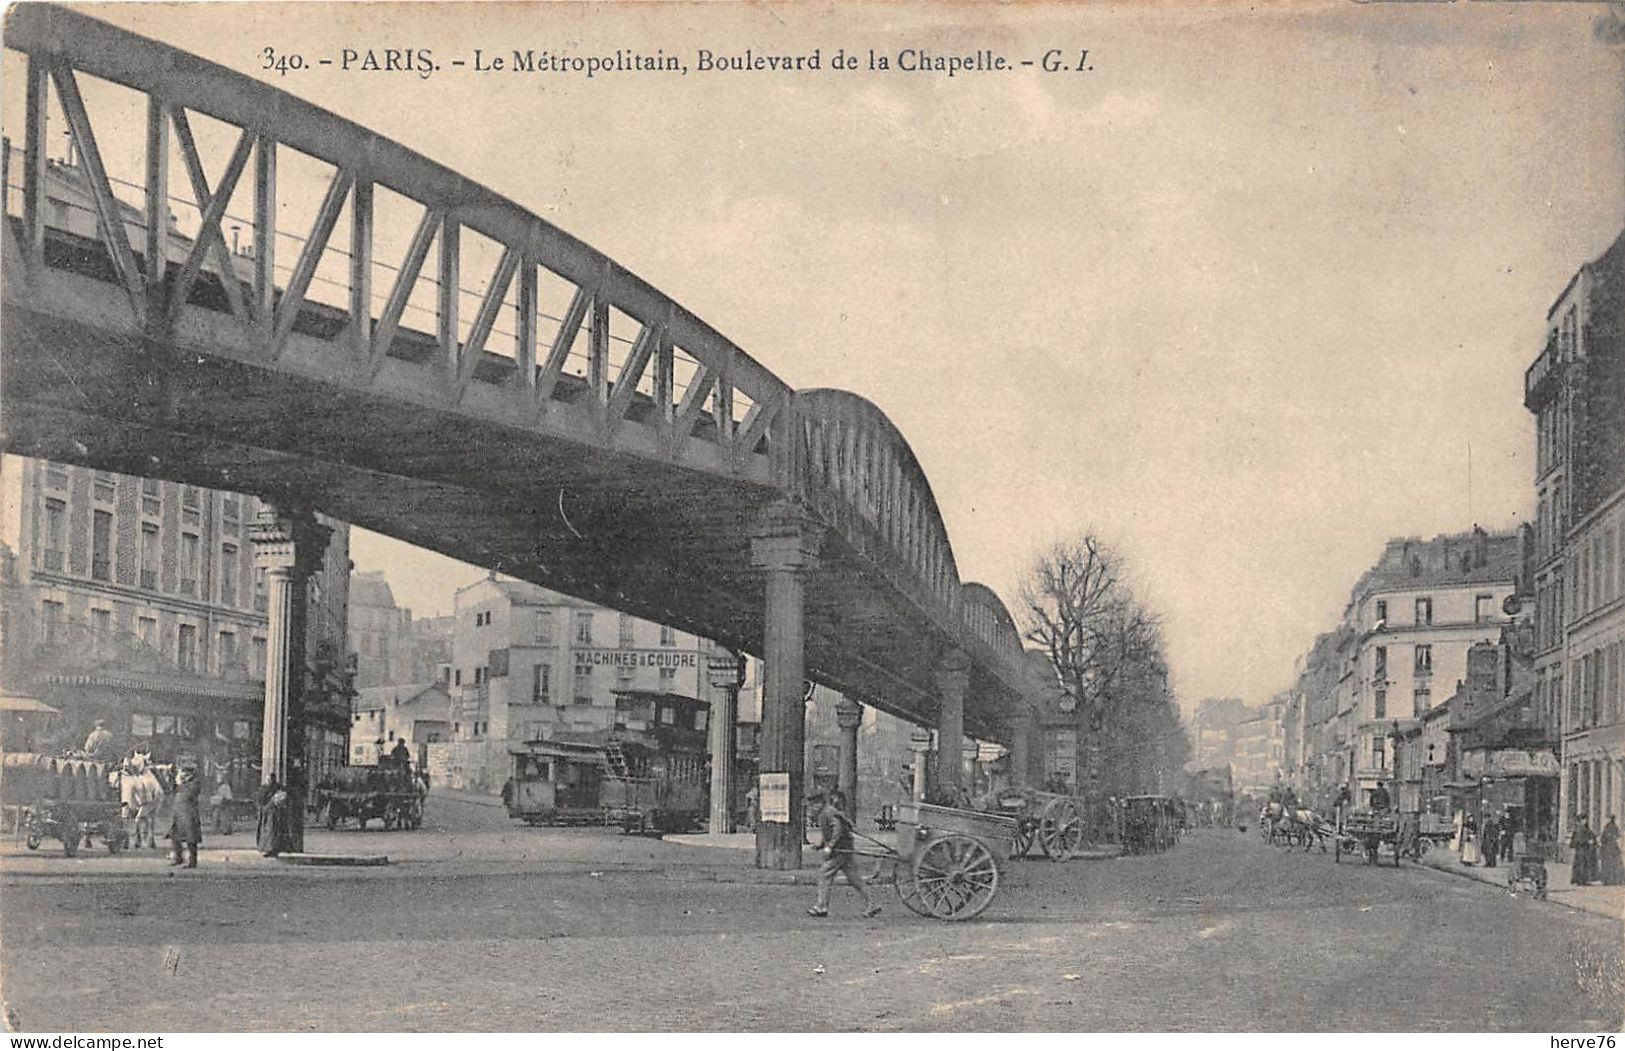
x: 1221, y: 933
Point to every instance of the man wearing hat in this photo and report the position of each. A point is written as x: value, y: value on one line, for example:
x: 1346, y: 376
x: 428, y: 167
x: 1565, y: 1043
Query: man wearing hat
x: 99, y: 745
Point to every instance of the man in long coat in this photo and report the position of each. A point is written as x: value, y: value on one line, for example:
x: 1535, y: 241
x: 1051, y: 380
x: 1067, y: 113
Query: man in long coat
x: 1583, y: 842
x: 186, y: 826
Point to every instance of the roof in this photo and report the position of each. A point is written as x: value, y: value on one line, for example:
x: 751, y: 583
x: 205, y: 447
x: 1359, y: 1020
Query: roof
x: 1472, y: 557
x: 370, y: 589
x: 379, y: 698
x: 25, y: 704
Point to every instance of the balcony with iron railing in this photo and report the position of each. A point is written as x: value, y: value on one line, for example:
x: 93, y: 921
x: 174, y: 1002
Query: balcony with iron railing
x: 1538, y: 378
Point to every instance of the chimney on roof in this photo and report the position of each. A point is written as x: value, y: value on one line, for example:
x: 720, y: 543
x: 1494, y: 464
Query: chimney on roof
x: 1481, y: 547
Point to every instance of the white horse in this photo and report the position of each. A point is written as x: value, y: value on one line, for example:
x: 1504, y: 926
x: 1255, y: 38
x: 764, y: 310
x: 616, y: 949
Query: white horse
x: 140, y: 793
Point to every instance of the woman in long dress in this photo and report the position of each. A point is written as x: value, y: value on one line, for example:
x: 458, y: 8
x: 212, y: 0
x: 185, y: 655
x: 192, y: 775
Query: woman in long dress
x: 1613, y: 867
x: 1469, y: 841
x: 1583, y: 843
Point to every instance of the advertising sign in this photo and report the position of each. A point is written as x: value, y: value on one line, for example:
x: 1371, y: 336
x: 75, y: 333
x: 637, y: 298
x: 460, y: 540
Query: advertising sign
x: 774, y: 792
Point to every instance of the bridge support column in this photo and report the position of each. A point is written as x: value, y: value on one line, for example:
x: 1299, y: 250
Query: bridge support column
x: 288, y: 546
x: 849, y: 716
x: 785, y: 549
x: 727, y: 675
x: 953, y: 679
x: 920, y: 741
x: 1021, y: 736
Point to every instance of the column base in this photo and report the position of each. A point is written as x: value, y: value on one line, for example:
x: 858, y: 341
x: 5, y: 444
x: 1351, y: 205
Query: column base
x: 778, y: 846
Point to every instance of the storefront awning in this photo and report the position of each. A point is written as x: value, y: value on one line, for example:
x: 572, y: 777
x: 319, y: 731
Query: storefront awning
x: 25, y: 704
x: 1509, y: 762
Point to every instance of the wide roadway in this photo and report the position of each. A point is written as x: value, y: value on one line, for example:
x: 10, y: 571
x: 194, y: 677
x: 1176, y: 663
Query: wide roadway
x: 1220, y: 933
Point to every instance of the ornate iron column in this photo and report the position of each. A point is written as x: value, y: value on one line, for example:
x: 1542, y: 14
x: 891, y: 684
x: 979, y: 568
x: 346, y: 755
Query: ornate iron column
x: 953, y: 679
x: 785, y: 548
x: 920, y: 741
x: 288, y: 546
x: 849, y: 716
x: 727, y: 671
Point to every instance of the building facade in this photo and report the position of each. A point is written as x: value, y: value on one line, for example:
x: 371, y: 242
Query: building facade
x: 136, y: 602
x: 419, y: 714
x: 391, y: 647
x: 1576, y: 390
x: 528, y: 664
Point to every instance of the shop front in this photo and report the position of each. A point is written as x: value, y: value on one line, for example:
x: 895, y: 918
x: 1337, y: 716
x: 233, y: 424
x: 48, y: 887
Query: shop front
x: 1516, y: 784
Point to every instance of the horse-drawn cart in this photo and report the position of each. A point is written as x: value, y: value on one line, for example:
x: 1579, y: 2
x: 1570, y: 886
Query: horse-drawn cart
x: 63, y: 799
x: 1368, y: 832
x: 360, y: 793
x: 1057, y: 823
x: 946, y: 862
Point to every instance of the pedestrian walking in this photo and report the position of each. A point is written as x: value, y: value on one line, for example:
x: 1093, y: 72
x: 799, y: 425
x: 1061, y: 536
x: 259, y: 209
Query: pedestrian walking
x: 1509, y: 833
x: 1492, y: 841
x: 835, y: 833
x: 1611, y: 865
x: 1469, y: 840
x: 186, y: 825
x: 1583, y: 842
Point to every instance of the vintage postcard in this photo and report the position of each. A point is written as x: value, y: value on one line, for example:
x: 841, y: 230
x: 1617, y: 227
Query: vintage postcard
x: 812, y: 518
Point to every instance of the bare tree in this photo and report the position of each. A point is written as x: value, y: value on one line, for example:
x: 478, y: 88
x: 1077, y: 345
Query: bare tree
x: 1104, y: 645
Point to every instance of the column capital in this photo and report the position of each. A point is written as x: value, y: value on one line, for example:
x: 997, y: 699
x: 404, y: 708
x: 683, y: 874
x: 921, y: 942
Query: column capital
x: 726, y: 669
x: 953, y: 671
x: 291, y: 542
x: 848, y: 714
x: 786, y: 538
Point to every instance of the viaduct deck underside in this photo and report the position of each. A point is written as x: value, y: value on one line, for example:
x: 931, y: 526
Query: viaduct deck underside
x: 661, y: 540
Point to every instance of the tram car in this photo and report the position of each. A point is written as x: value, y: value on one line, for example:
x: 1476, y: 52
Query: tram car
x: 649, y: 774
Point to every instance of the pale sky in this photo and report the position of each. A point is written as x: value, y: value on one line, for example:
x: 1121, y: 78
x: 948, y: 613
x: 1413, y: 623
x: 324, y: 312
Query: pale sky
x: 1240, y: 298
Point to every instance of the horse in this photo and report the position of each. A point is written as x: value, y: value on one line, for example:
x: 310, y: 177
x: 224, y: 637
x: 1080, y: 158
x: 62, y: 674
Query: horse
x: 141, y: 793
x: 1293, y: 825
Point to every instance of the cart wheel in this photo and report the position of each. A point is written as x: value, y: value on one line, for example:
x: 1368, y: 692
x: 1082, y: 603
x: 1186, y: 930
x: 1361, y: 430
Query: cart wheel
x: 908, y: 891
x: 1024, y: 838
x: 1060, y: 830
x: 957, y: 877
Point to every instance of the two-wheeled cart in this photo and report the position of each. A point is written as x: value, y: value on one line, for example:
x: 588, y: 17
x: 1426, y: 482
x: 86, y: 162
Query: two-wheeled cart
x: 1056, y: 823
x: 946, y: 862
x: 1368, y: 832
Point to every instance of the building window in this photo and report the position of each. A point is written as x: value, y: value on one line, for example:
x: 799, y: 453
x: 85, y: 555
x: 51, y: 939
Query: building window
x: 228, y: 651
x: 1379, y: 753
x: 1424, y: 660
x: 544, y: 627
x: 668, y: 637
x: 628, y: 636
x: 1382, y: 610
x: 541, y: 688
x: 668, y: 678
x: 702, y: 718
x: 186, y: 647
x: 259, y: 655
x: 1381, y: 668
x: 668, y: 715
x: 56, y: 525
x: 240, y: 729
x: 479, y: 675
x: 1424, y: 611
x: 189, y: 496
x: 51, y: 615
x: 147, y: 628
x: 105, y: 487
x: 1483, y: 608
x: 230, y: 516
x: 189, y: 563
x: 101, y: 624
x: 149, y: 556
x: 1421, y: 701
x: 624, y: 672
x: 141, y: 725
x: 1380, y: 706
x: 457, y: 677
x: 582, y: 691
x: 228, y: 574
x: 584, y: 629
x: 101, y: 545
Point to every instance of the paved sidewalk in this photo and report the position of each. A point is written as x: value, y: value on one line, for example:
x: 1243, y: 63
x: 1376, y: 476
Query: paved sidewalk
x: 1604, y: 901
